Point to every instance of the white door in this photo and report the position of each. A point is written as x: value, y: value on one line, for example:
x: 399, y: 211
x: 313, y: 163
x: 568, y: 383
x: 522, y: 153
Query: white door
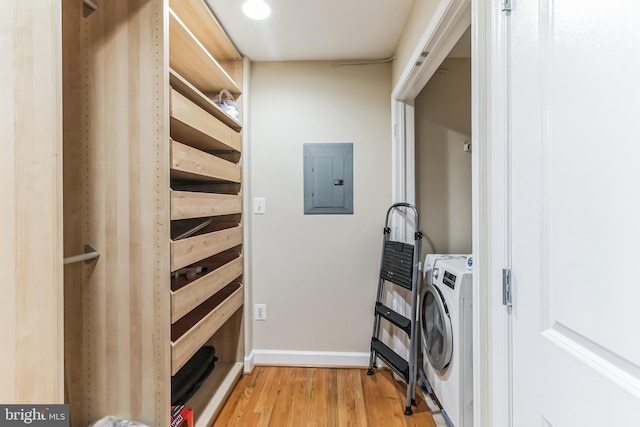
x: 575, y: 212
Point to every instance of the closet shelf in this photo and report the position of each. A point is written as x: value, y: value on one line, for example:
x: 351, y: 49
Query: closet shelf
x: 187, y: 204
x: 194, y: 126
x: 192, y: 164
x: 189, y: 296
x: 192, y: 249
x: 194, y: 330
x: 192, y: 93
x: 198, y: 18
x: 192, y: 60
x: 205, y: 27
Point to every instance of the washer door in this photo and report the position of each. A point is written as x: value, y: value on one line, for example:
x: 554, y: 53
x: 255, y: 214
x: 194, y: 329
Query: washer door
x: 437, y: 336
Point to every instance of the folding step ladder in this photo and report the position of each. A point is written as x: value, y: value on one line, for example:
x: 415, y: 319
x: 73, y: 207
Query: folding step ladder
x: 399, y: 266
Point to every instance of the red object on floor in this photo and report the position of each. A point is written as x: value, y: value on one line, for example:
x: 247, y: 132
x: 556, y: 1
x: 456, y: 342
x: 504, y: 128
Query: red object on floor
x: 181, y: 416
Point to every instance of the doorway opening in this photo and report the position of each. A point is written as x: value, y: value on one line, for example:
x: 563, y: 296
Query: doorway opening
x: 432, y: 116
x: 443, y: 154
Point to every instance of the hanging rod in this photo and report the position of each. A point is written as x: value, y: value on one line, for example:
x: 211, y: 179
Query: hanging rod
x: 87, y: 256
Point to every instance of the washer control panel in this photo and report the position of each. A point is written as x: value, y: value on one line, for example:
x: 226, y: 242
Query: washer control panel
x: 449, y: 279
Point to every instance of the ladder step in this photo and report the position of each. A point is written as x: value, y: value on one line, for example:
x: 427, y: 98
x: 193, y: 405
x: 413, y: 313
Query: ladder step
x: 397, y: 264
x: 394, y: 317
x: 400, y: 365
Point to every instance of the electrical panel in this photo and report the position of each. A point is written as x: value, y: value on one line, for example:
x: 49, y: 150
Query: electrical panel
x: 328, y: 178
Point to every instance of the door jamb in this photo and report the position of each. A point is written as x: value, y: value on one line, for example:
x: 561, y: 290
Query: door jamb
x: 491, y: 213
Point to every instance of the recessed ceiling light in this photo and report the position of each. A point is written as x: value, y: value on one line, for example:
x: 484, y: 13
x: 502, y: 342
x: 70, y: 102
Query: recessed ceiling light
x: 256, y: 9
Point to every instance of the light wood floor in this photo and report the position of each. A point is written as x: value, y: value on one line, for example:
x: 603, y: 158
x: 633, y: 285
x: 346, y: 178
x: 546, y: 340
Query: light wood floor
x: 321, y: 397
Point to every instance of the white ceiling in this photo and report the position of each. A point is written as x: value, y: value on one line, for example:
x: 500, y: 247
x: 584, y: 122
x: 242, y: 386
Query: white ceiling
x: 316, y: 29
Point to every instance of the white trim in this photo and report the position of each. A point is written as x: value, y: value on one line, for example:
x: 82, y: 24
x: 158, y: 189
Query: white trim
x: 309, y: 358
x: 403, y: 152
x: 403, y: 165
x: 490, y: 132
x: 482, y: 374
x: 247, y: 218
x: 410, y: 156
x: 497, y: 225
x: 249, y: 362
x: 398, y: 145
x: 451, y: 19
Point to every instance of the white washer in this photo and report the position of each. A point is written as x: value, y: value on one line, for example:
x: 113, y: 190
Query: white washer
x: 445, y: 317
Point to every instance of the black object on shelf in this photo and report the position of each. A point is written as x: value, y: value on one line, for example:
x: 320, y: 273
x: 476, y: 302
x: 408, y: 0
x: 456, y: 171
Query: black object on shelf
x: 192, y: 375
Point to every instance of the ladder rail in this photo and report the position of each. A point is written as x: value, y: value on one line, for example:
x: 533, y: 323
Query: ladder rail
x: 397, y: 206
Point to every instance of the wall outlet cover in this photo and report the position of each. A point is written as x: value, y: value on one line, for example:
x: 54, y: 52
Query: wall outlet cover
x: 260, y: 312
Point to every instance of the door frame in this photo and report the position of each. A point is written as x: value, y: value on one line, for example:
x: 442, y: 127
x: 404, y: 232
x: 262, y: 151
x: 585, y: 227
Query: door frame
x: 492, y: 391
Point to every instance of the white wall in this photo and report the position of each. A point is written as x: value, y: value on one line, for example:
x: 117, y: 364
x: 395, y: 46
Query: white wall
x: 443, y: 169
x: 317, y: 273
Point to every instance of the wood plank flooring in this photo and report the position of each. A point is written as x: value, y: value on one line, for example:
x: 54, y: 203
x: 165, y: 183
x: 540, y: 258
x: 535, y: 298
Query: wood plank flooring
x: 321, y: 397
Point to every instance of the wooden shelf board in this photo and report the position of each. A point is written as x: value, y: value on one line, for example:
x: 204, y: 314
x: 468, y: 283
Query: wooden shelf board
x: 193, y: 294
x: 181, y: 85
x: 200, y: 226
x: 211, y: 397
x: 198, y: 18
x: 194, y: 126
x: 187, y: 251
x: 192, y: 60
x: 193, y: 164
x: 188, y: 204
x: 184, y: 344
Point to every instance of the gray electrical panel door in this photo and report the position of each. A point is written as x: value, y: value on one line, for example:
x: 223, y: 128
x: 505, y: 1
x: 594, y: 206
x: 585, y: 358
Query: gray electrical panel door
x: 328, y: 178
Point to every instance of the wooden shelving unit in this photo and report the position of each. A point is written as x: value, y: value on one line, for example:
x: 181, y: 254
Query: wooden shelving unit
x: 148, y: 157
x: 207, y: 265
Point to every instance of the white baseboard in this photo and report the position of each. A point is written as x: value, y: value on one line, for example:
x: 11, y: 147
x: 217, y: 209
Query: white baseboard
x: 306, y: 358
x: 249, y: 363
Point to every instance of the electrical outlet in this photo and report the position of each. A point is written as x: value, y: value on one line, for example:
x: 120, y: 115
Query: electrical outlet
x: 260, y: 312
x: 259, y: 205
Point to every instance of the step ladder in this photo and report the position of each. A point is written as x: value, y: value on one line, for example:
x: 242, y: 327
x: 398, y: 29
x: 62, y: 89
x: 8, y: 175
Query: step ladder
x: 399, y: 267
